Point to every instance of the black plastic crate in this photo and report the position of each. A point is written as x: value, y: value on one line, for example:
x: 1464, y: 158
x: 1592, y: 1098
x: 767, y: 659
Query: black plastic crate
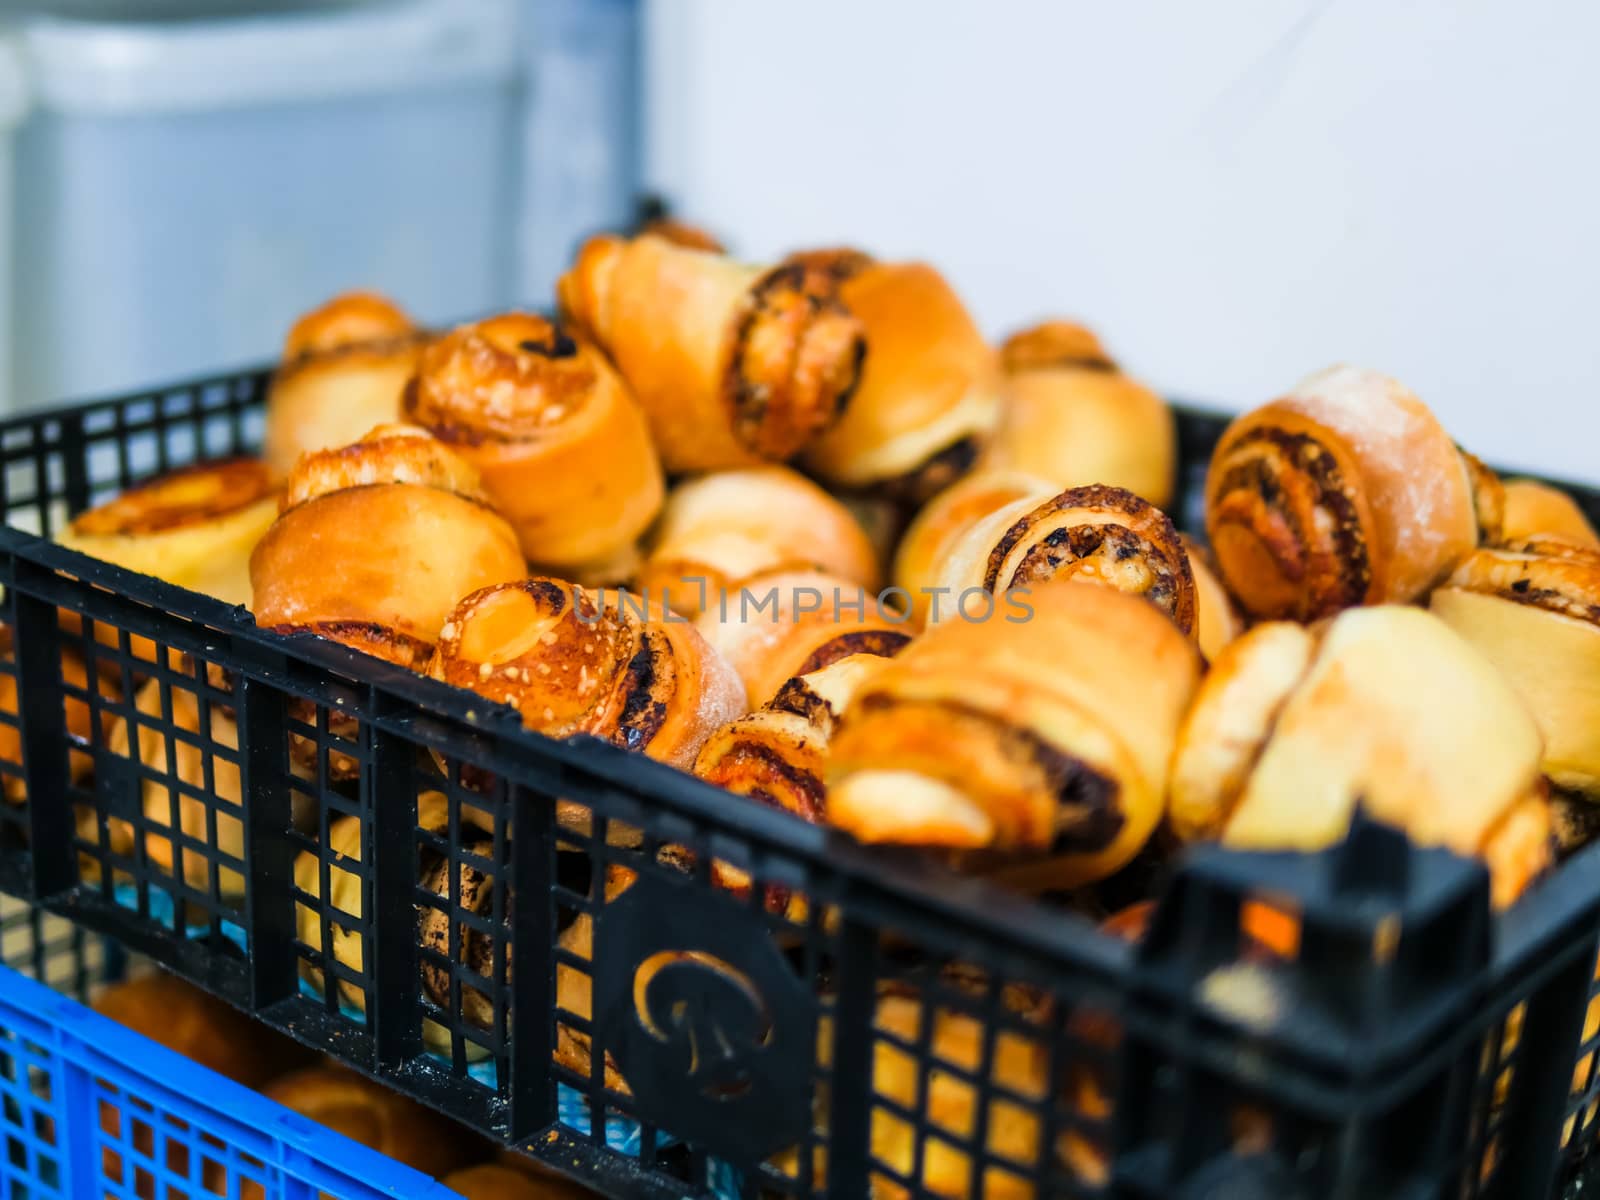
x: 583, y: 990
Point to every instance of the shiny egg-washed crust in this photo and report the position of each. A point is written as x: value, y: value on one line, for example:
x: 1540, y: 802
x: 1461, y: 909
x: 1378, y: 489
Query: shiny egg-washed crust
x: 1345, y: 492
x: 1037, y: 739
x: 1054, y: 344
x: 1488, y: 499
x: 720, y: 530
x: 392, y: 453
x: 570, y: 662
x: 1533, y: 508
x: 185, y: 497
x: 562, y: 448
x: 351, y: 321
x: 733, y: 364
x: 929, y: 392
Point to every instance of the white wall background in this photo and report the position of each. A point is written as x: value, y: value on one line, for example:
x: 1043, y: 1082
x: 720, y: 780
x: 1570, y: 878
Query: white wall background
x: 1233, y: 192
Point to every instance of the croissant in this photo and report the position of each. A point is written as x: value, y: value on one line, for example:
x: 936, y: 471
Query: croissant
x: 929, y: 391
x: 1533, y: 508
x: 1291, y: 728
x: 1044, y: 740
x: 945, y: 519
x: 193, y: 527
x: 1533, y: 609
x: 733, y: 364
x: 720, y: 530
x: 1347, y: 491
x: 792, y: 623
x: 343, y: 369
x: 390, y: 531
x: 562, y: 448
x: 1102, y: 535
x: 1069, y: 415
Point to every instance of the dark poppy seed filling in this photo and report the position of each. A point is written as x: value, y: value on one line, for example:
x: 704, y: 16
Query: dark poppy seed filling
x: 934, y: 473
x: 883, y: 642
x: 648, y: 678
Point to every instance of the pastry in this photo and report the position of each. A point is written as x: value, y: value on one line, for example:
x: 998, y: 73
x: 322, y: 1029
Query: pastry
x: 1532, y: 508
x: 733, y: 364
x: 722, y: 529
x: 682, y: 233
x: 1043, y: 743
x: 1069, y: 415
x: 929, y: 394
x: 390, y: 531
x: 1347, y: 491
x: 80, y: 721
x: 561, y: 446
x: 1533, y: 608
x: 945, y: 519
x: 343, y: 369
x: 1101, y: 535
x: 575, y: 991
x: 793, y: 622
x: 1488, y: 499
x: 1387, y: 707
x: 1216, y: 620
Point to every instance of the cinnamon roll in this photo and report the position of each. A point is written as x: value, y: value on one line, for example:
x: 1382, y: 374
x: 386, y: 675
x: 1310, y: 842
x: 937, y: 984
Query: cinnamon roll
x: 1069, y: 415
x: 733, y: 364
x: 1043, y: 742
x: 945, y: 520
x: 561, y: 446
x: 1533, y: 508
x: 1533, y: 609
x: 718, y: 531
x: 389, y: 532
x: 929, y: 393
x: 1345, y: 492
x: 1292, y: 728
x: 1101, y: 535
x: 344, y: 366
x: 791, y: 623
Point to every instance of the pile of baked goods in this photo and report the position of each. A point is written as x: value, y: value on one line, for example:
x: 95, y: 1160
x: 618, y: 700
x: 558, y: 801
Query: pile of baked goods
x: 799, y: 529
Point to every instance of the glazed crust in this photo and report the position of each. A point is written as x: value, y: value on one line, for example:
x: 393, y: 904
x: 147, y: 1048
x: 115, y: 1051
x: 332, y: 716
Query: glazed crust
x: 1533, y: 508
x: 344, y: 367
x: 929, y: 391
x: 562, y: 448
x: 728, y: 527
x: 1345, y: 492
x: 1033, y: 738
x: 732, y: 364
x: 1069, y: 415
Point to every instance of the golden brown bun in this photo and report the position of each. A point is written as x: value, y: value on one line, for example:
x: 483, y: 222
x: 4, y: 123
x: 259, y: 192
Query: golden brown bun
x: 194, y: 527
x: 1102, y: 535
x: 377, y: 1117
x: 571, y: 661
x: 733, y: 364
x: 1216, y: 619
x: 1070, y: 416
x: 792, y: 622
x: 80, y: 722
x: 356, y: 524
x: 200, y: 1027
x: 1533, y: 608
x: 1532, y: 508
x: 1047, y: 737
x: 495, y: 1181
x: 929, y: 391
x: 562, y: 448
x: 1345, y: 492
x: 682, y: 233
x: 725, y: 528
x: 946, y: 518
x: 344, y: 366
x: 1391, y: 709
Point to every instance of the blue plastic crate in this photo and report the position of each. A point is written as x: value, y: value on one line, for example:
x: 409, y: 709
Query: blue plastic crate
x: 91, y: 1109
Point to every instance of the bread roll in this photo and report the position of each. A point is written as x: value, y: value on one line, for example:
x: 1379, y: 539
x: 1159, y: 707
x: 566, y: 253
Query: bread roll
x: 733, y: 364
x: 390, y: 531
x: 1533, y: 609
x: 929, y: 392
x: 344, y: 366
x: 1389, y: 708
x: 1044, y: 740
x: 947, y: 518
x: 794, y: 622
x: 682, y: 233
x: 563, y: 449
x: 1347, y: 491
x: 1069, y: 415
x: 1533, y: 508
x: 1101, y: 535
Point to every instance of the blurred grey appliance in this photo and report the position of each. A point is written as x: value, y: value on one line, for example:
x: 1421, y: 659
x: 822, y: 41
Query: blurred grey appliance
x: 188, y: 178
